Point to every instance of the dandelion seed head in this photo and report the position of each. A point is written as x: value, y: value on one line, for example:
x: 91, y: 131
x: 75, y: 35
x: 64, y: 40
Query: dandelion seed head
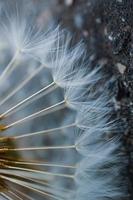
x: 56, y: 123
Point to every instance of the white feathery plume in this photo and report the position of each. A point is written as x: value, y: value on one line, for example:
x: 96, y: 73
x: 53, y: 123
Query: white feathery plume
x: 67, y: 73
x: 25, y: 38
x: 100, y: 175
x: 24, y: 35
x: 96, y: 113
x: 94, y: 142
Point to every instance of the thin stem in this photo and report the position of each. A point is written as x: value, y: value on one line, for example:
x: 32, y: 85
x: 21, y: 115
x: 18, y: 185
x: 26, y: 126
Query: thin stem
x: 43, y: 183
x: 50, y: 186
x: 48, y: 131
x: 42, y: 172
x: 15, y: 195
x: 6, y: 196
x: 43, y: 164
x: 30, y: 188
x: 28, y: 100
x: 23, y: 175
x: 53, y: 108
x: 19, y: 87
x: 10, y: 67
x: 42, y: 148
x: 23, y: 194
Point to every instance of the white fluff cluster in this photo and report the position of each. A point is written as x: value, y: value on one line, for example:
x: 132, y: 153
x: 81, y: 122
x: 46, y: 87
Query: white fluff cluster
x: 58, y: 110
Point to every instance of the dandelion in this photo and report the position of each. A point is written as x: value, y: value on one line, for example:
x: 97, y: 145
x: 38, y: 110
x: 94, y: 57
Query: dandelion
x: 58, y: 135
